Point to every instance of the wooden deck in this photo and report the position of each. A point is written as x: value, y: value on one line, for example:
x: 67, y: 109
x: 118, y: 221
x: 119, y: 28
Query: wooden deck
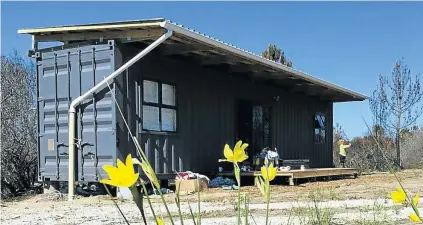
x: 298, y: 174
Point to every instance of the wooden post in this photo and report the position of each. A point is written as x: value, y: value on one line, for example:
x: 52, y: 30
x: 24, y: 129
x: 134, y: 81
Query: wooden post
x: 291, y: 180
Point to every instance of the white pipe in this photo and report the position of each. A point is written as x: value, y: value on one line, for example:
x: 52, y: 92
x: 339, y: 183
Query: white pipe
x: 99, y: 86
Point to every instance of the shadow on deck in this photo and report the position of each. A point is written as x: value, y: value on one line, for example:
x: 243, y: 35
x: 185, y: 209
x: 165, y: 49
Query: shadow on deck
x: 295, y: 175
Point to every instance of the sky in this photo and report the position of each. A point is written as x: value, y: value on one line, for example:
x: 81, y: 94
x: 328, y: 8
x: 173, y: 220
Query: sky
x: 345, y: 43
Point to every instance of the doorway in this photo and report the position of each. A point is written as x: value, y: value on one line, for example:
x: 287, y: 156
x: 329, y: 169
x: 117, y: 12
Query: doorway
x: 253, y: 126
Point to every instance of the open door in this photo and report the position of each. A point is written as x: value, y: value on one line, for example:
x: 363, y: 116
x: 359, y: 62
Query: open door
x: 253, y: 126
x: 261, y: 127
x: 244, y: 122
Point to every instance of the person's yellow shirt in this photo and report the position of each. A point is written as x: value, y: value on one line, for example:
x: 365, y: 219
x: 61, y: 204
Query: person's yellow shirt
x: 342, y: 149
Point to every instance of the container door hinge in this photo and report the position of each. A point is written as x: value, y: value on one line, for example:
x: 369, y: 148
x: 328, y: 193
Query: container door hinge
x: 62, y: 144
x: 81, y: 146
x: 32, y: 53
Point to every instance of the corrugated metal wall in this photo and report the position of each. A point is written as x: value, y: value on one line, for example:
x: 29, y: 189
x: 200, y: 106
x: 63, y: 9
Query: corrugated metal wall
x: 206, y: 112
x: 64, y: 75
x: 293, y: 130
x: 206, y: 118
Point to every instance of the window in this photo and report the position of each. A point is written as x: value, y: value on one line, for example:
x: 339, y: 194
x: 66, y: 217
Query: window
x: 159, y: 106
x: 319, y: 128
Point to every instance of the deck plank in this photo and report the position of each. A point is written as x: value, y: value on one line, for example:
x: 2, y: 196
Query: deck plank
x: 307, y: 173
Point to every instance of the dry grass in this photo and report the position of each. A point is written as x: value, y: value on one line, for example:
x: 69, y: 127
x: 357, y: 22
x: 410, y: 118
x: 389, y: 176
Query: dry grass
x: 102, y: 210
x: 371, y: 186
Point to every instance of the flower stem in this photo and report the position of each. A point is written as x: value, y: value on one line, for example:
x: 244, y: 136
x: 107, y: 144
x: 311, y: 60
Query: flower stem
x: 199, y: 203
x: 178, y: 204
x: 267, y: 199
x: 148, y: 200
x: 239, y: 204
x: 238, y: 179
x: 246, y: 209
x: 138, y: 201
x: 167, y: 208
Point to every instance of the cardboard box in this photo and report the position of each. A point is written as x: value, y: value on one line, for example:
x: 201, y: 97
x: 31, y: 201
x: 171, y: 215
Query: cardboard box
x: 191, y: 186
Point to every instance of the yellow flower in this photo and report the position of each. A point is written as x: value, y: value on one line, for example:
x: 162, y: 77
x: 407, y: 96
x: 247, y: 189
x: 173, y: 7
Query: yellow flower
x: 238, y: 155
x: 159, y: 221
x: 414, y: 218
x: 416, y: 199
x: 398, y: 196
x: 122, y: 175
x: 269, y: 171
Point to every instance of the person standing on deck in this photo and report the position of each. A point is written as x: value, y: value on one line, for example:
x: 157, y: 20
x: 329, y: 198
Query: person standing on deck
x: 343, y: 152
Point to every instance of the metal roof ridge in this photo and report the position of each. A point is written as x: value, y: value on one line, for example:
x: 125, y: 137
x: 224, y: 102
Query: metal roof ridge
x: 274, y: 64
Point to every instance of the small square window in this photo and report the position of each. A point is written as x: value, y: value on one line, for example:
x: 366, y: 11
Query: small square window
x: 159, y: 106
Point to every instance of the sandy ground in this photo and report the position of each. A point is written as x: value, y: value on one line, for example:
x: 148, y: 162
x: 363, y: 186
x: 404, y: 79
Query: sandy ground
x: 347, y: 201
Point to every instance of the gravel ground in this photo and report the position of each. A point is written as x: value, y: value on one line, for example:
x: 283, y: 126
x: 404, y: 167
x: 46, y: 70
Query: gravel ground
x: 347, y: 201
x: 92, y: 211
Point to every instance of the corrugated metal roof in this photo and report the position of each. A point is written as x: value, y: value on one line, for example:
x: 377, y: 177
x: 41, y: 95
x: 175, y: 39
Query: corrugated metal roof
x: 253, y: 56
x: 210, y: 37
x: 198, y: 36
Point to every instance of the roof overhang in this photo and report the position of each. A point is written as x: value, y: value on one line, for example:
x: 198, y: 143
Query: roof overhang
x: 194, y: 47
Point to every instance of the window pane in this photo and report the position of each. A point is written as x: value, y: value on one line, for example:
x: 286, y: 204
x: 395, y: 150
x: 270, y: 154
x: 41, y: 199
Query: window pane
x: 168, y: 95
x: 316, y: 135
x: 321, y: 119
x: 319, y: 128
x: 151, y: 91
x: 322, y: 136
x: 150, y: 118
x: 168, y: 119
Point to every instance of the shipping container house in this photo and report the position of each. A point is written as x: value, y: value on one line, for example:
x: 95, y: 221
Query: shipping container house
x: 185, y: 98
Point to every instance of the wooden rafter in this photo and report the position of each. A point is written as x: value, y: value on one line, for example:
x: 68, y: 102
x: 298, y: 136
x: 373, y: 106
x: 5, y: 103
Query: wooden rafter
x: 127, y: 35
x: 88, y: 28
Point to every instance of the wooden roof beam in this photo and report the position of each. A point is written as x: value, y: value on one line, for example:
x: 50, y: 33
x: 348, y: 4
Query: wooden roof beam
x: 126, y: 35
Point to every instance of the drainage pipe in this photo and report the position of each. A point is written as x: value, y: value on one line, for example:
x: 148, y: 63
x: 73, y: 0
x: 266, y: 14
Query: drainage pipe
x: 96, y: 88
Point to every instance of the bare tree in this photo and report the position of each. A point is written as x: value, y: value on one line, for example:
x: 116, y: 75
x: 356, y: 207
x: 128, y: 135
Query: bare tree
x: 379, y: 111
x: 395, y: 103
x: 18, y: 124
x: 412, y: 148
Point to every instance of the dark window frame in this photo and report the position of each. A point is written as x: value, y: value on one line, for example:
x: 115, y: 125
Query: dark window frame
x: 159, y: 105
x: 324, y: 139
